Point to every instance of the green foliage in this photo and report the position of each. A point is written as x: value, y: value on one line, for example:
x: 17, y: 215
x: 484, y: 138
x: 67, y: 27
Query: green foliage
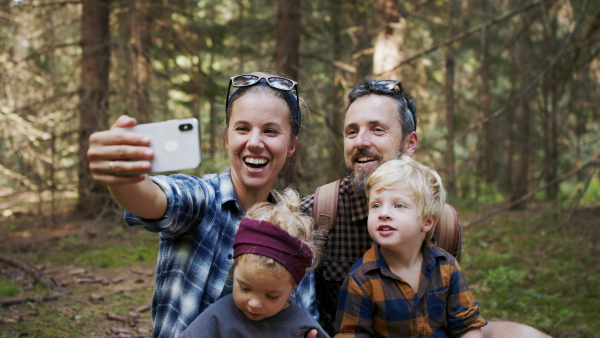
x: 195, y: 46
x: 484, y: 193
x: 591, y: 197
x: 8, y: 289
x: 521, y: 272
x: 119, y: 256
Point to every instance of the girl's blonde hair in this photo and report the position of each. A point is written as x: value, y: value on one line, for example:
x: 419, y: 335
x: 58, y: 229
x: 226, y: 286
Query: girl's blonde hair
x: 424, y: 184
x: 287, y: 215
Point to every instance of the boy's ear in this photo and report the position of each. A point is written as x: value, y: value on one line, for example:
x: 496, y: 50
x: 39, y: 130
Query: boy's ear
x: 428, y: 223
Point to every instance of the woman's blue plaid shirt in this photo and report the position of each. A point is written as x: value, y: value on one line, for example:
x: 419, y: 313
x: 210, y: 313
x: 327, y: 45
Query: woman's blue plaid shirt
x: 196, y: 249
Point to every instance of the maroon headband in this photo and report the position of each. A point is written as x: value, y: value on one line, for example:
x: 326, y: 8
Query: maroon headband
x: 267, y: 239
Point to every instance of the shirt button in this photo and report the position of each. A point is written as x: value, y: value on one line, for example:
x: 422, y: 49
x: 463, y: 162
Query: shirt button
x: 212, y: 300
x: 230, y: 256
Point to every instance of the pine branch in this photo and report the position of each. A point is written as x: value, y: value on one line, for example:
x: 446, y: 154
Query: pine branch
x: 18, y: 300
x: 468, y: 33
x: 39, y: 278
x: 593, y: 164
x: 576, y: 203
x: 527, y: 91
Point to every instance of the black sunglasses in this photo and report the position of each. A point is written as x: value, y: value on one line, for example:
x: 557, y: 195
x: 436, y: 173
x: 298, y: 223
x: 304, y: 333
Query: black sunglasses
x: 387, y: 84
x: 391, y: 85
x: 276, y: 82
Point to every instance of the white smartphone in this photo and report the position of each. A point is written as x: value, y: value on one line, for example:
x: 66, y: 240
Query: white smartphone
x: 176, y: 144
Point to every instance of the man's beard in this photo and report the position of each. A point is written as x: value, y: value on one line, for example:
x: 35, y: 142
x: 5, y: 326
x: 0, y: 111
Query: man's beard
x: 359, y: 180
x: 360, y: 176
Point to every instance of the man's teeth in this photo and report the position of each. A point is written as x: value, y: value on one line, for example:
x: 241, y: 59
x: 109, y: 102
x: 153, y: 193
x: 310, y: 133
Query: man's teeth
x: 257, y: 161
x: 385, y: 228
x: 365, y: 159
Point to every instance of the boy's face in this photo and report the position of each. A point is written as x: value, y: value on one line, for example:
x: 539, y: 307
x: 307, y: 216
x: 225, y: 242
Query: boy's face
x: 259, y: 295
x: 394, y: 218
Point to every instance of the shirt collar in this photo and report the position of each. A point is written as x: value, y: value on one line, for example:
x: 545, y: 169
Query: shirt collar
x: 373, y: 260
x: 227, y: 190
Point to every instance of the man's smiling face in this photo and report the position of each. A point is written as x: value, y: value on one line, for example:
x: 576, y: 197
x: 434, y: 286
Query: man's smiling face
x: 372, y: 136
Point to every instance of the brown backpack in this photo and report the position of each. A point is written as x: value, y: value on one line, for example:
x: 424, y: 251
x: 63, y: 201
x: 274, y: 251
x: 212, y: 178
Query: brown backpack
x: 448, y: 229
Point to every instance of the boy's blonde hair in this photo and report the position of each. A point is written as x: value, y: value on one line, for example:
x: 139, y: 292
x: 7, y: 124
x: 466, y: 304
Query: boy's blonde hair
x: 287, y: 215
x: 424, y: 184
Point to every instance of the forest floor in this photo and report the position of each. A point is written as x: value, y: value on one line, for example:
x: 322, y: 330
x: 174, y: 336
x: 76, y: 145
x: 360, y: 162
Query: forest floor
x: 522, y: 266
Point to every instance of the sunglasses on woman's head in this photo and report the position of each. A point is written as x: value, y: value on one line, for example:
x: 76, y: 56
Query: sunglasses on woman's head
x: 277, y: 82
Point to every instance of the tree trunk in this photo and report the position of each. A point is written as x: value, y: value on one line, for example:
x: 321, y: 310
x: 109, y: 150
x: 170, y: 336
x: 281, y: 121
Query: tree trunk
x: 553, y: 159
x: 388, y: 43
x: 288, y: 37
x: 336, y: 120
x: 93, y: 108
x: 522, y: 182
x: 138, y: 74
x: 449, y: 156
x: 486, y: 102
x: 551, y: 105
x: 286, y: 60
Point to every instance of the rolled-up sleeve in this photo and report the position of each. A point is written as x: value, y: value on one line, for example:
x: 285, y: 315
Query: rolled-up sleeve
x: 462, y: 310
x: 186, y: 196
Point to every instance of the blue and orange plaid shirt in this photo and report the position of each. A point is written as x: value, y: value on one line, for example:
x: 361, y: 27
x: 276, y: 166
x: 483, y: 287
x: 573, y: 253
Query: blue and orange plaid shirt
x: 375, y: 302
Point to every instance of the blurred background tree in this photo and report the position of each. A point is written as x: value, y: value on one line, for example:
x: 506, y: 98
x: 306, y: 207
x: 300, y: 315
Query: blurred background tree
x: 506, y: 91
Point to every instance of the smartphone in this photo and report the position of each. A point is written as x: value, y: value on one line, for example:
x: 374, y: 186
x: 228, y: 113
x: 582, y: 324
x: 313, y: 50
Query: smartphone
x: 176, y: 144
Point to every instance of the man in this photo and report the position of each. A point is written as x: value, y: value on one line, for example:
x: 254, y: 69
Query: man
x: 380, y: 125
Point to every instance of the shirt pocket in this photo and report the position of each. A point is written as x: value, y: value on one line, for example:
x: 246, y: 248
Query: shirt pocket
x: 436, y: 307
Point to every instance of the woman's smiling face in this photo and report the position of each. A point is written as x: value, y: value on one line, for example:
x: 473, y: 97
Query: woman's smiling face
x: 258, y: 140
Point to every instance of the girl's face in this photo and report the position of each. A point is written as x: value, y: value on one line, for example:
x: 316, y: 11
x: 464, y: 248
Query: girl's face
x: 258, y: 293
x: 258, y: 140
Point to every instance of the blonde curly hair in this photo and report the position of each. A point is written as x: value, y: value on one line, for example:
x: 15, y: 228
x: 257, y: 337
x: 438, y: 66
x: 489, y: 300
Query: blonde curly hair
x: 287, y: 215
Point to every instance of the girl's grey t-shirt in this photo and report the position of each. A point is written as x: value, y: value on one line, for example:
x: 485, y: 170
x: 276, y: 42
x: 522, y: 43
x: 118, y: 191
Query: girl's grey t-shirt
x: 224, y: 319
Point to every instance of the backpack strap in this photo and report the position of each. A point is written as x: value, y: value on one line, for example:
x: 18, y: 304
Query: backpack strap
x: 325, y: 206
x: 448, y: 232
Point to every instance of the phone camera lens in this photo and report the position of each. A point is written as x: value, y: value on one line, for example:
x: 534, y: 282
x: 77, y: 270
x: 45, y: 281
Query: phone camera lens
x: 185, y: 127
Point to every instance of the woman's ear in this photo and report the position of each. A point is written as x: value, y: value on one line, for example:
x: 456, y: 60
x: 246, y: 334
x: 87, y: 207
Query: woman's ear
x: 292, y: 147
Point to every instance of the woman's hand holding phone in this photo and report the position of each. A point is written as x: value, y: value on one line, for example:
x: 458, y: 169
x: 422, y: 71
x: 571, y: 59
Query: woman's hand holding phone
x: 111, y: 154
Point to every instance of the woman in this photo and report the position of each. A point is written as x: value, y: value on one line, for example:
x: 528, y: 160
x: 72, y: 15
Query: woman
x: 197, y: 218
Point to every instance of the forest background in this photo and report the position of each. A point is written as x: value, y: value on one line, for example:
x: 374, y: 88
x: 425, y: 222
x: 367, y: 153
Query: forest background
x: 506, y: 90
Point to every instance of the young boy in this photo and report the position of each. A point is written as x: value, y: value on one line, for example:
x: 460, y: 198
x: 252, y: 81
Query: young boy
x: 404, y: 286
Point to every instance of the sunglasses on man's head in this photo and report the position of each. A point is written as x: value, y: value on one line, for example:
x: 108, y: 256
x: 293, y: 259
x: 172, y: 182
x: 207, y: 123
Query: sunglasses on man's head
x: 390, y: 85
x: 387, y: 84
x: 276, y: 82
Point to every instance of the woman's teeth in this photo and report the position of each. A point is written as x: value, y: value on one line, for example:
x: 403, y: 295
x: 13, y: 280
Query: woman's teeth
x: 256, y: 161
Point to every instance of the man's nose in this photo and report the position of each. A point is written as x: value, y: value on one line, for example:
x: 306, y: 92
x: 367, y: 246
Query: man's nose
x: 363, y: 140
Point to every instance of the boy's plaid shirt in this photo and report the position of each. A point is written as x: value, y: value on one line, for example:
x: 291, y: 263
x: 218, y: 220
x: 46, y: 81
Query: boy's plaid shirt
x: 376, y: 302
x: 346, y: 244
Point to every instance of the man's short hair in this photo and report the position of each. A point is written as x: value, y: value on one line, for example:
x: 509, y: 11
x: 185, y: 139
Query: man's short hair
x: 407, y: 109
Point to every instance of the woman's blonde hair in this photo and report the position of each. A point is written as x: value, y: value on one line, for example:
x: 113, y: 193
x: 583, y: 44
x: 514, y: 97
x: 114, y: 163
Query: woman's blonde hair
x: 287, y: 215
x: 424, y: 184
